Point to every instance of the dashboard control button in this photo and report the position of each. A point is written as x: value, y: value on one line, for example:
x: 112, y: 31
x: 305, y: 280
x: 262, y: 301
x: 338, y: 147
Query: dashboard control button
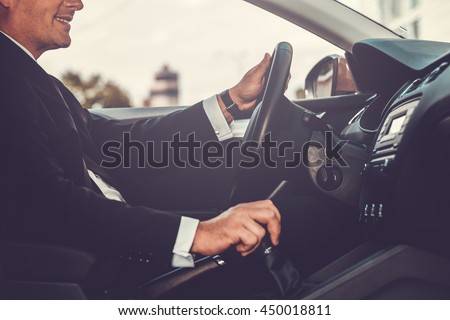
x: 380, y: 212
x: 372, y: 214
x: 363, y: 217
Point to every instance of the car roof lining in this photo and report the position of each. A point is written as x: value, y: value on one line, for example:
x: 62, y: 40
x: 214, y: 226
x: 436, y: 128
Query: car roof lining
x: 327, y: 19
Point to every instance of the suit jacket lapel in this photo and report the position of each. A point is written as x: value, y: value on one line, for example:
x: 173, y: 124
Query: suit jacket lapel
x: 66, y: 136
x: 18, y: 61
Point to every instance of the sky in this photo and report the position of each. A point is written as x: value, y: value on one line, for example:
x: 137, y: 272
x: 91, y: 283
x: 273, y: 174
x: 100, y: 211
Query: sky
x: 210, y: 43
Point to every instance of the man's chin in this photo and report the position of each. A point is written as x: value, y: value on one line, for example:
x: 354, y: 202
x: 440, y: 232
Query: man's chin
x: 65, y: 43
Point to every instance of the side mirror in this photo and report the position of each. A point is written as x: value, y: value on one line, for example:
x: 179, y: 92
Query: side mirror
x: 329, y: 77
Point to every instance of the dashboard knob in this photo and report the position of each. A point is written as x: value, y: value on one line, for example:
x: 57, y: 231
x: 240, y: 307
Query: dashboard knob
x: 329, y: 178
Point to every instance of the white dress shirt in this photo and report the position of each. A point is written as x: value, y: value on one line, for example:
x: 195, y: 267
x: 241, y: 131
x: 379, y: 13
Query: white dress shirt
x: 188, y: 226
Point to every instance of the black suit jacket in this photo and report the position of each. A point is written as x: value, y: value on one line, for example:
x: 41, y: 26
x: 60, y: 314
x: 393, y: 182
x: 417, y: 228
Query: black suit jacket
x: 46, y: 140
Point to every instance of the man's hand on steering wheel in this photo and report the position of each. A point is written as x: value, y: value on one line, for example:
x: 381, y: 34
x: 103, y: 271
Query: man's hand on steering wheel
x: 246, y: 92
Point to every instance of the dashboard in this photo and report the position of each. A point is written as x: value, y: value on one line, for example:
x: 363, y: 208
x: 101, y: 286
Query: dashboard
x: 405, y: 182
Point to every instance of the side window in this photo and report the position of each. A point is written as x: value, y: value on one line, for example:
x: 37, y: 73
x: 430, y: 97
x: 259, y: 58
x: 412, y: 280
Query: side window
x: 153, y: 53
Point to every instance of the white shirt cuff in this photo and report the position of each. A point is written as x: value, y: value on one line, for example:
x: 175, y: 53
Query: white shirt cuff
x: 217, y: 119
x: 186, y: 232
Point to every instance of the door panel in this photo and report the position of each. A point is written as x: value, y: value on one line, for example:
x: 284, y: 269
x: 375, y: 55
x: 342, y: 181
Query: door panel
x: 132, y: 114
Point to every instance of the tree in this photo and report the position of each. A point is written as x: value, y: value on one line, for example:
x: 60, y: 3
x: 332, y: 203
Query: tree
x: 95, y: 92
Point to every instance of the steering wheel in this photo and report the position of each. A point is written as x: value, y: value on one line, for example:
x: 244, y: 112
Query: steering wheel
x: 269, y: 112
x: 266, y: 113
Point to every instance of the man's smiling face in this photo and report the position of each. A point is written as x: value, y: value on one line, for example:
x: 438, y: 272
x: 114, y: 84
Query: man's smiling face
x: 40, y: 25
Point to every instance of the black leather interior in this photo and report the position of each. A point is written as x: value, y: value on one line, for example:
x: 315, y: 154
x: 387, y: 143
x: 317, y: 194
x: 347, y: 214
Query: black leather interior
x: 45, y: 262
x: 37, y: 271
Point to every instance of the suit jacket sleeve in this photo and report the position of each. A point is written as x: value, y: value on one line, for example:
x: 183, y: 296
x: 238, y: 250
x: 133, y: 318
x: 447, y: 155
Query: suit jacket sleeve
x: 147, y: 185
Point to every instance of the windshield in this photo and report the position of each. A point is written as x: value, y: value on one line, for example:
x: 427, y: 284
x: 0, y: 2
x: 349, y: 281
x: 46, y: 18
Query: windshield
x: 413, y: 19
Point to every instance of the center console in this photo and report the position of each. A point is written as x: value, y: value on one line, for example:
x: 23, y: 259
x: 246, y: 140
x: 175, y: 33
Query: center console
x: 376, y: 171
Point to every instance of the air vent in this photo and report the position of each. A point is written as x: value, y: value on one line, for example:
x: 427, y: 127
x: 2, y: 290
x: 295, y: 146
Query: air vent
x: 413, y: 86
x: 436, y: 72
x: 425, y: 80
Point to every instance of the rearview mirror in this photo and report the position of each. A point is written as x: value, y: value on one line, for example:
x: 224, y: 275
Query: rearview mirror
x: 329, y: 77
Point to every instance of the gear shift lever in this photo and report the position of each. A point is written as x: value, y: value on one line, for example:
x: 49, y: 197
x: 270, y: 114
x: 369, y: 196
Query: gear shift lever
x: 281, y: 268
x: 266, y: 246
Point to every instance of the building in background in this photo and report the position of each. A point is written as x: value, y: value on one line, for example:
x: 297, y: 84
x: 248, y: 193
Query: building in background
x: 414, y: 19
x: 403, y: 16
x: 165, y: 89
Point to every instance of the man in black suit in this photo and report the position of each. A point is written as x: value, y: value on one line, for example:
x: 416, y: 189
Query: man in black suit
x: 53, y: 187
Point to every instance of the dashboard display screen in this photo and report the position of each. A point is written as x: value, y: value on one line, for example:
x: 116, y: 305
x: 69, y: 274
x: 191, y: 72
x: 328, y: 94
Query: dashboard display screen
x: 396, y: 124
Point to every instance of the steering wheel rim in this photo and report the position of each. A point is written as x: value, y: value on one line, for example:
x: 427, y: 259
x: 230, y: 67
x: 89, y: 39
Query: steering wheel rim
x: 265, y: 114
